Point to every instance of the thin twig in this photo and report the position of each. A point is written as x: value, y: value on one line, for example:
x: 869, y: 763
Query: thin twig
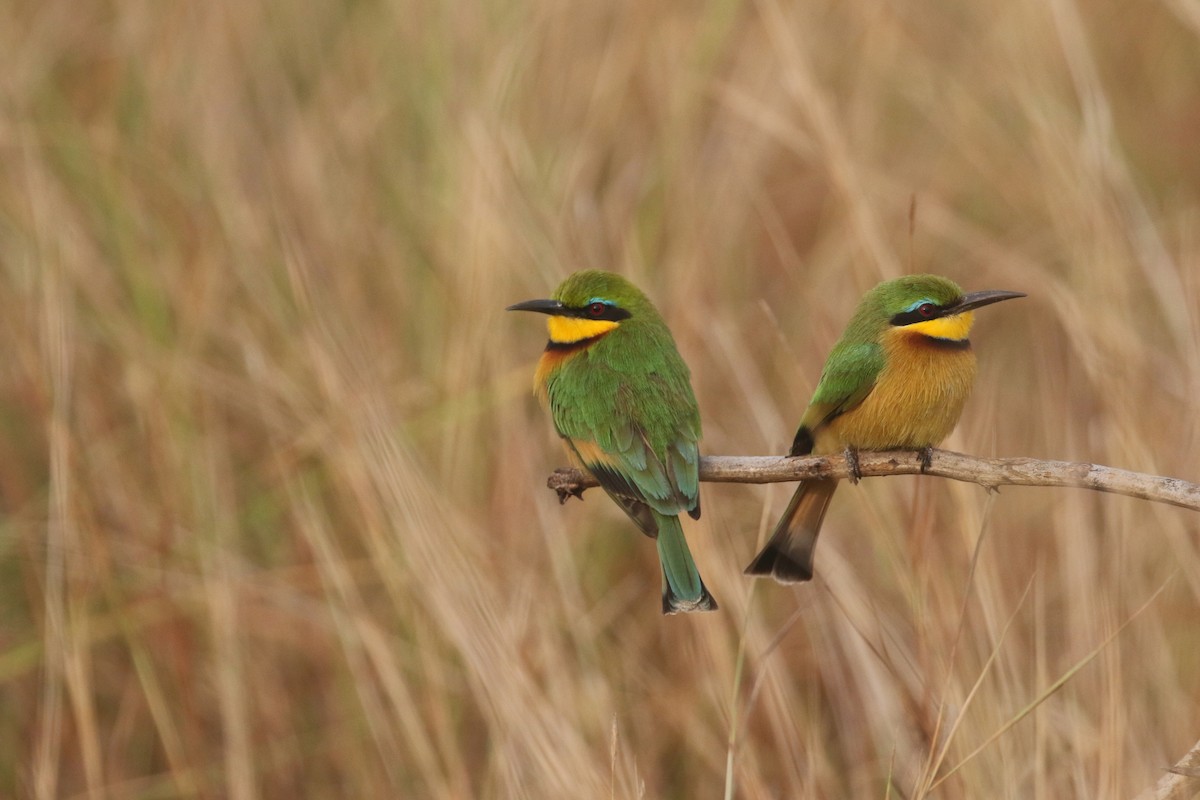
x: 987, y: 472
x: 1181, y: 781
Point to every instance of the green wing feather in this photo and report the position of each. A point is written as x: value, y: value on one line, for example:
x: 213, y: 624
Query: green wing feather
x: 850, y: 374
x: 634, y: 423
x: 641, y: 415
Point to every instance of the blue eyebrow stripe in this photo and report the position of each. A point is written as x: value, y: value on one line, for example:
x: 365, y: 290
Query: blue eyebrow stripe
x: 920, y: 303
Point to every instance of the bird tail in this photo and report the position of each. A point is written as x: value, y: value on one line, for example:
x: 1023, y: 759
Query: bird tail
x: 682, y: 588
x: 788, y: 556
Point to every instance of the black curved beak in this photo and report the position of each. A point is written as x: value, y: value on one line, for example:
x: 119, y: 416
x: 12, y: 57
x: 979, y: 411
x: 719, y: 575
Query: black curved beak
x: 972, y: 300
x: 540, y: 306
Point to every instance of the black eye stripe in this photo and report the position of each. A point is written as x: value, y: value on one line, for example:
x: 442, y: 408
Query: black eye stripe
x: 598, y: 311
x: 922, y: 313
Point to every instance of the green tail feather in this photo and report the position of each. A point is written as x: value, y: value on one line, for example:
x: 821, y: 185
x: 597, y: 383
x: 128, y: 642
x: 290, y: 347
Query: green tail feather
x: 683, y: 589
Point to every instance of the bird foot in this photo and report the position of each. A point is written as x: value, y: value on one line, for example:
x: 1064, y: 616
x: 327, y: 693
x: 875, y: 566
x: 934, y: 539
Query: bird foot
x: 566, y: 493
x: 925, y: 454
x: 566, y: 482
x: 852, y: 464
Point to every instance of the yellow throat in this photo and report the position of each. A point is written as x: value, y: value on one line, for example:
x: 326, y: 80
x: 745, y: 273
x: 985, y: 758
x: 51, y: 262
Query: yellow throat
x: 955, y: 328
x: 567, y: 330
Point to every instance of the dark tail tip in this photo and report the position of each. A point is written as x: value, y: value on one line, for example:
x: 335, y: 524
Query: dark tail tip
x: 788, y: 555
x: 674, y: 604
x: 775, y: 563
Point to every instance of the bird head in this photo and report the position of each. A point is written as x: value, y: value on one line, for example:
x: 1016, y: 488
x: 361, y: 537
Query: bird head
x: 589, y: 304
x: 931, y: 305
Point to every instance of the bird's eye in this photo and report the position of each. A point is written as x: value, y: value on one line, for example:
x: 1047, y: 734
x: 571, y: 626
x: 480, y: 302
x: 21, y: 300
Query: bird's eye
x: 597, y: 309
x: 926, y: 310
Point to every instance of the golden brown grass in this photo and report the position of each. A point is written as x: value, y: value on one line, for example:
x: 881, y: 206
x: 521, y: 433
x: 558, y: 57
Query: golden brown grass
x: 272, y: 478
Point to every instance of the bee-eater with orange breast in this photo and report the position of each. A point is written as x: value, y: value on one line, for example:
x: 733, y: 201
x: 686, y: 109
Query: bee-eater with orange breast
x: 621, y: 398
x: 897, y: 379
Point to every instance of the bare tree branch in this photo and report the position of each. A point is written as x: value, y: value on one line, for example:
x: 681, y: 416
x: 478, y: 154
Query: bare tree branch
x: 987, y: 472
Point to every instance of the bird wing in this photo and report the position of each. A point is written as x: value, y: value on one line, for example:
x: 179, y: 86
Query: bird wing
x: 850, y: 374
x: 613, y: 480
x: 642, y: 446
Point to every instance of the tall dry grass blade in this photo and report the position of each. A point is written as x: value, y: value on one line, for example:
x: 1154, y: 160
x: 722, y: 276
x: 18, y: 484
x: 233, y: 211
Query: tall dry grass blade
x: 162, y: 711
x: 925, y: 786
x: 549, y: 751
x: 891, y: 773
x: 930, y: 768
x: 612, y: 760
x: 66, y: 614
x: 732, y: 739
x: 221, y: 590
x: 350, y: 622
x: 1050, y: 690
x: 57, y: 354
x: 836, y: 152
x: 776, y: 640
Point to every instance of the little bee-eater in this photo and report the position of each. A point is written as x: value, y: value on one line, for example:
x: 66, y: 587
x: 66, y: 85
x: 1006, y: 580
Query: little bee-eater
x: 897, y: 379
x: 621, y: 398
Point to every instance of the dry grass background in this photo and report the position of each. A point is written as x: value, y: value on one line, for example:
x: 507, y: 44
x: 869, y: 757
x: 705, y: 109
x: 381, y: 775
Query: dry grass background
x: 274, y: 521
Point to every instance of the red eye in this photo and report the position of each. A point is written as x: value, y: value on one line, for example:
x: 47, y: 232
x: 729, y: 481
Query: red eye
x: 926, y: 310
x: 597, y: 309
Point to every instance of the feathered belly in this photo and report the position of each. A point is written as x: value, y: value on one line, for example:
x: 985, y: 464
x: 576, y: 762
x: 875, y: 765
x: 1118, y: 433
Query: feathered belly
x: 916, y: 402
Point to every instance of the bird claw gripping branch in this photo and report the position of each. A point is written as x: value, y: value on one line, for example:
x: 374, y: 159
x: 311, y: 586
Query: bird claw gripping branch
x: 566, y: 483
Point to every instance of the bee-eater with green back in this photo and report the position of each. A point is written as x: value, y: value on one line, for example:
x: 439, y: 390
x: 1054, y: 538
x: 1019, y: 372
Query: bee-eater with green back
x: 897, y: 379
x: 621, y: 398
